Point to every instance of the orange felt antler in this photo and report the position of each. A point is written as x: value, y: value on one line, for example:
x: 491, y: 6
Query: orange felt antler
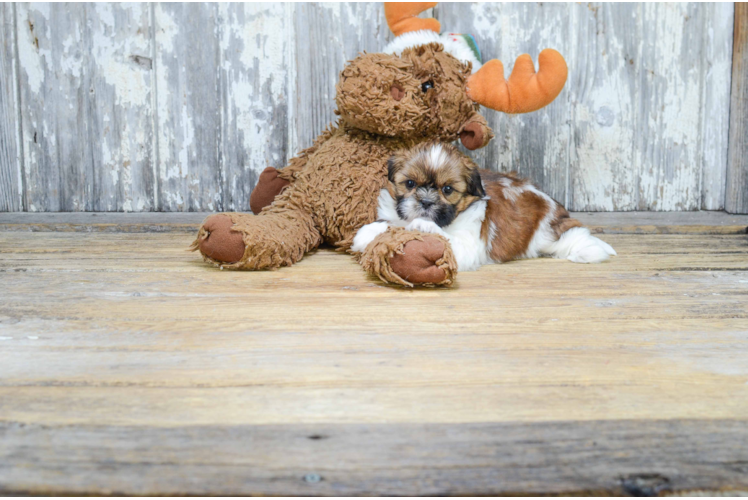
x: 401, y: 17
x: 525, y: 90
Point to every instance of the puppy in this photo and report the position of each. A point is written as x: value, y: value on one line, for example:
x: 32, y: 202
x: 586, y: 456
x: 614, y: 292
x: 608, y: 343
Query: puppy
x: 487, y: 217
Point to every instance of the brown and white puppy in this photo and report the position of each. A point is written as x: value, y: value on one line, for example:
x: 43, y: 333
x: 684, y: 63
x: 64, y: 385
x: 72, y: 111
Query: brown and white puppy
x: 433, y: 182
x: 434, y: 188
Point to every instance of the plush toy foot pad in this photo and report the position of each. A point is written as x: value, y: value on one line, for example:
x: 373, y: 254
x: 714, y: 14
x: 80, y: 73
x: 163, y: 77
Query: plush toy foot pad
x: 418, y: 262
x: 217, y: 241
x: 410, y: 258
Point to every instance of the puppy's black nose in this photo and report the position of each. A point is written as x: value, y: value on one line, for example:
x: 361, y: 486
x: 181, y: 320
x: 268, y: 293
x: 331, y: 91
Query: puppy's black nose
x: 426, y: 203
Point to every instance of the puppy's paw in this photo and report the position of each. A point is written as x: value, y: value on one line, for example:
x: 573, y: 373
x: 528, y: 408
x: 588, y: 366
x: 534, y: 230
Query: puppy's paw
x: 425, y: 226
x: 366, y: 235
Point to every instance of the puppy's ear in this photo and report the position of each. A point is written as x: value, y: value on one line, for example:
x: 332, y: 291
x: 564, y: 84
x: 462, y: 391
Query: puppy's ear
x: 391, y: 168
x: 475, y: 184
x: 394, y: 163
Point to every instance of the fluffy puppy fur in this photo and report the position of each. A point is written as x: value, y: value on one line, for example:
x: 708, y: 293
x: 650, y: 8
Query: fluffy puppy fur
x: 487, y: 217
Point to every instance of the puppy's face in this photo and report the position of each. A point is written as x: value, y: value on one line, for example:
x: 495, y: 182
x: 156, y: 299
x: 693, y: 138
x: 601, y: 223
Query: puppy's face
x: 433, y: 181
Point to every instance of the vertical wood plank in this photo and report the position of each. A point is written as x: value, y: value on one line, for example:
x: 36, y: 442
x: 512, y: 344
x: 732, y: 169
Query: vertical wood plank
x: 254, y: 80
x: 53, y: 48
x: 327, y: 35
x: 737, y: 166
x: 536, y: 144
x: 669, y: 121
x: 717, y: 67
x: 188, y: 110
x: 604, y: 88
x: 85, y: 92
x: 11, y: 189
x: 120, y: 106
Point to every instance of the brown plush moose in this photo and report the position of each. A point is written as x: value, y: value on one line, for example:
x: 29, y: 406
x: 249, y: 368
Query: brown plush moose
x: 424, y: 87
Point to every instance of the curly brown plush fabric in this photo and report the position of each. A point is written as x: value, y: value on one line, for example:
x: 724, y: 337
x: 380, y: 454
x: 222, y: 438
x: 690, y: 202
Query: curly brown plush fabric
x: 385, y: 103
x: 430, y: 261
x: 334, y: 185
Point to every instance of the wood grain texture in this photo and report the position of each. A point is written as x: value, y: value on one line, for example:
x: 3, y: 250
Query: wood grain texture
x: 717, y: 47
x: 256, y: 61
x: 642, y: 122
x: 737, y: 166
x: 85, y: 92
x: 188, y: 222
x: 11, y: 176
x: 599, y: 457
x: 143, y: 107
x: 188, y: 107
x: 129, y: 366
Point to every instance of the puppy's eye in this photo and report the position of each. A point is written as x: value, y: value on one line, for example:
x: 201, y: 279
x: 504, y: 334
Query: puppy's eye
x: 447, y: 190
x: 410, y: 184
x: 425, y: 86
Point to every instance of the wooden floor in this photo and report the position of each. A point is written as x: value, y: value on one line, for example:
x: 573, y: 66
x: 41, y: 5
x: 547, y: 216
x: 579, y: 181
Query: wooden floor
x: 128, y: 366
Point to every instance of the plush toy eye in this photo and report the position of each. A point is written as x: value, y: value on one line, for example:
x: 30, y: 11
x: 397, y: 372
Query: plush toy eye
x: 410, y: 184
x: 425, y: 86
x: 447, y: 190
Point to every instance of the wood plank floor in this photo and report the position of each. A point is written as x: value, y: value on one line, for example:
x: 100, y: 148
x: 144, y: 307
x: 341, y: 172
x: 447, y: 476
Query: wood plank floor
x: 129, y: 366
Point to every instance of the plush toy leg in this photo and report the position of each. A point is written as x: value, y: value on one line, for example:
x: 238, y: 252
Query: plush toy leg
x: 269, y: 185
x: 254, y: 242
x: 410, y: 258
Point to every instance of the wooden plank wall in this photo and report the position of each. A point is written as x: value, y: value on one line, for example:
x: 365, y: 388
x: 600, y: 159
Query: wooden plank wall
x: 10, y: 155
x: 171, y: 107
x: 737, y: 166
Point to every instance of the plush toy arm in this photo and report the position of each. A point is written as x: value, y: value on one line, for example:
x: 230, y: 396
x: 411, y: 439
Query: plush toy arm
x: 475, y: 133
x: 410, y: 258
x: 272, y: 181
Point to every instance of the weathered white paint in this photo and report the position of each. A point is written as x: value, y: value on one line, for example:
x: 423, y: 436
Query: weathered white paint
x: 187, y: 85
x: 603, y: 90
x: 11, y: 174
x: 254, y: 94
x: 179, y: 107
x: 718, y: 24
x: 641, y: 124
x: 85, y: 95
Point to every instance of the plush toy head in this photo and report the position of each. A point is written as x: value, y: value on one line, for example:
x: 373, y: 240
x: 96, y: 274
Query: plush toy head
x: 420, y: 93
x: 431, y: 85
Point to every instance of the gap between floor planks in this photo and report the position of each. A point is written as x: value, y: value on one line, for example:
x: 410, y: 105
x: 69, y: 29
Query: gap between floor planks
x: 599, y: 222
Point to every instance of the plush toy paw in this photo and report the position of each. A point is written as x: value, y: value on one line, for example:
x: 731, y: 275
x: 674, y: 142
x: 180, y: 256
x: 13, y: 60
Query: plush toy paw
x: 421, y: 261
x: 218, y: 242
x: 410, y: 258
x: 269, y: 185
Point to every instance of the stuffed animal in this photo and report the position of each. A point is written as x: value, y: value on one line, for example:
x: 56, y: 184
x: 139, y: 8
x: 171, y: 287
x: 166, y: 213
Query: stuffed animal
x: 423, y: 87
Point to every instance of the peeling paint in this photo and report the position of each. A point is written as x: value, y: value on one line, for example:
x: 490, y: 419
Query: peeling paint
x: 641, y: 125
